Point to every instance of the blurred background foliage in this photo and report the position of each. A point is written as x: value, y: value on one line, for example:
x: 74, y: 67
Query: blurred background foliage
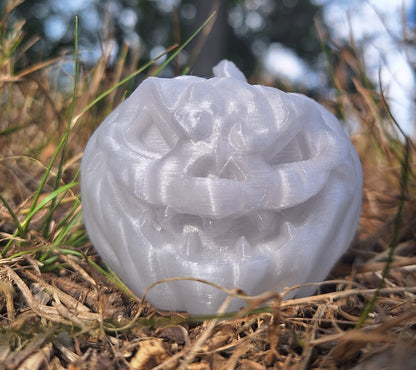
x: 243, y: 31
x: 284, y: 43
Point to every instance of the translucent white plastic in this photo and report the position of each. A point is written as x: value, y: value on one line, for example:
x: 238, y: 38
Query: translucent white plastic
x: 241, y: 185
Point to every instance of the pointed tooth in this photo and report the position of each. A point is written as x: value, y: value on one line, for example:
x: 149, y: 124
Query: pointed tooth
x: 242, y: 247
x: 193, y: 245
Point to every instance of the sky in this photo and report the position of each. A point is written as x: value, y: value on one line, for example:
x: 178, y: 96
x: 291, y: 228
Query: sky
x: 377, y: 25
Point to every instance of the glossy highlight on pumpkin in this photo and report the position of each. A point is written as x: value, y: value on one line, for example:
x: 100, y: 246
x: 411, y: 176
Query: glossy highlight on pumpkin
x: 241, y: 185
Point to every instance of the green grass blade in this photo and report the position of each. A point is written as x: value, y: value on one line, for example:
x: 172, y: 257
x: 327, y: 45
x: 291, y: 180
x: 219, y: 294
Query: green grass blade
x: 44, y: 202
x: 123, y: 81
x: 9, y: 243
x: 54, y: 205
x: 70, y: 222
x: 10, y: 130
x: 71, y: 214
x: 61, y: 144
x: 113, y: 278
x: 147, y: 65
x: 64, y: 139
x: 19, y: 227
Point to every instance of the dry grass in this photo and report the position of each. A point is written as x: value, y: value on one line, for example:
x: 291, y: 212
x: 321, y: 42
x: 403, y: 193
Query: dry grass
x: 59, y: 309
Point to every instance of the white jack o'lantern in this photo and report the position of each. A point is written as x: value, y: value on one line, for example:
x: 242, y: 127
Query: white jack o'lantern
x: 241, y: 185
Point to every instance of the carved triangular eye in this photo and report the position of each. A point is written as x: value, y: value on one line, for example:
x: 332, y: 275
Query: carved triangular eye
x: 297, y: 150
x: 154, y: 140
x: 147, y: 134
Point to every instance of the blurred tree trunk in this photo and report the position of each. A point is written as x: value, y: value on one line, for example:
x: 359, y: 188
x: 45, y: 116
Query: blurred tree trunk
x: 214, y: 48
